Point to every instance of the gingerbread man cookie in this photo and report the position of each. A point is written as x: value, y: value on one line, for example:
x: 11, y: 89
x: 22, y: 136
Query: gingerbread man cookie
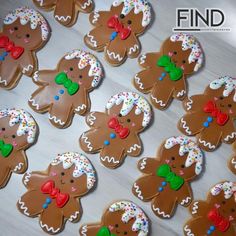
x: 24, y: 32
x: 121, y: 218
x: 210, y: 116
x: 18, y: 131
x: 115, y: 132
x: 116, y: 31
x: 165, y: 72
x: 64, y: 91
x: 66, y: 12
x: 166, y: 179
x: 54, y: 195
x: 216, y: 215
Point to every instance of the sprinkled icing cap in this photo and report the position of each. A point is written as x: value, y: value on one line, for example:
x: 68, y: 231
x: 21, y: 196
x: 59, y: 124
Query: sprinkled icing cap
x: 27, y: 124
x: 190, y: 42
x: 86, y: 58
x: 229, y: 84
x: 138, y: 6
x: 82, y: 166
x: 195, y: 154
x: 131, y: 100
x: 26, y: 15
x: 131, y: 211
x: 228, y: 187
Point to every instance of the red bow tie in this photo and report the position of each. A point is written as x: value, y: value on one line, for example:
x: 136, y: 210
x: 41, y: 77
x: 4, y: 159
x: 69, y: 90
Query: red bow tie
x: 219, y: 221
x: 16, y: 51
x: 114, y: 23
x: 113, y: 123
x: 221, y: 118
x: 49, y: 188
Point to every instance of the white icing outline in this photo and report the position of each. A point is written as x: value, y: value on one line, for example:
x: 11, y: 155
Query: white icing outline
x: 143, y: 163
x: 86, y: 4
x: 91, y: 118
x: 74, y: 216
x: 206, y: 144
x: 84, y: 230
x: 79, y: 108
x: 181, y: 93
x: 85, y: 140
x: 189, y: 104
x: 142, y: 59
x: 186, y: 128
x: 3, y: 81
x: 54, y: 118
x: 27, y: 178
x: 19, y: 166
x: 27, y: 68
x: 138, y: 191
x: 133, y: 49
x: 230, y: 136
x: 134, y: 148
x: 160, y: 102
x: 137, y: 80
x: 23, y: 207
x: 62, y: 18
x: 49, y: 229
x: 91, y: 38
x: 159, y: 212
x: 188, y: 231
x: 185, y: 201
x: 114, y: 56
x: 33, y: 103
x: 195, y: 207
x: 95, y: 17
x: 109, y: 159
x: 36, y: 76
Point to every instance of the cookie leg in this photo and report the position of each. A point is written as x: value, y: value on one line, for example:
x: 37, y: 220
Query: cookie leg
x: 45, y: 3
x: 9, y: 78
x: 89, y: 230
x: 232, y: 164
x: 5, y: 173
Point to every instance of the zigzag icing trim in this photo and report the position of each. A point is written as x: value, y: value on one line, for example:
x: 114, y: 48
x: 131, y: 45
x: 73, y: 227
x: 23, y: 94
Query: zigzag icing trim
x: 54, y: 118
x: 23, y: 207
x: 160, y: 102
x: 36, y: 76
x: 33, y: 103
x: 133, y: 49
x: 206, y: 144
x: 79, y: 108
x: 137, y: 80
x: 74, y: 216
x: 189, y: 104
x: 85, y: 139
x: 230, y: 136
x: 91, y: 38
x: 95, y: 17
x: 185, y: 201
x: 40, y: 2
x: 134, y: 148
x: 62, y: 18
x: 159, y: 212
x: 84, y: 230
x: 19, y: 166
x: 181, y: 93
x: 27, y: 68
x: 233, y: 161
x: 186, y: 128
x: 188, y: 231
x: 3, y: 81
x: 138, y: 191
x: 27, y: 178
x: 143, y: 164
x: 91, y: 118
x: 112, y: 55
x: 86, y: 4
x: 109, y: 159
x: 142, y: 59
x: 195, y: 208
x: 49, y: 229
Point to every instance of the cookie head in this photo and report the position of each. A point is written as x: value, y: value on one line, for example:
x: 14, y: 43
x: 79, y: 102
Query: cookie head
x: 26, y: 27
x: 72, y: 173
x: 126, y: 218
x: 82, y: 67
x: 18, y: 129
x: 131, y: 110
x: 135, y: 15
x: 182, y: 156
x: 184, y: 51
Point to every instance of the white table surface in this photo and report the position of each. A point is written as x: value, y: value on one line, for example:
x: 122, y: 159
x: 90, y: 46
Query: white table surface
x: 220, y: 52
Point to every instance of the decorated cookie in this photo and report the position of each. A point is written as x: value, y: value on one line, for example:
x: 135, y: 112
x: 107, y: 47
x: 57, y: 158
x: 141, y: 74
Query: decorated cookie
x: 121, y: 218
x: 64, y: 91
x: 116, y: 31
x: 66, y: 12
x: 18, y: 131
x: 166, y: 179
x: 216, y: 215
x: 165, y: 72
x: 24, y: 32
x: 232, y: 161
x: 54, y: 195
x: 115, y: 132
x: 210, y: 116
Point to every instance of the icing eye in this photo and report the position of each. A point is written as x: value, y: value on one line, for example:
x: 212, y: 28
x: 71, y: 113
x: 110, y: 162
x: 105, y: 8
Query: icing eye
x: 62, y: 173
x: 129, y: 22
x: 172, y: 158
x: 80, y: 76
x: 125, y: 233
x: 183, y: 61
x: 229, y: 105
x: 71, y: 68
x: 13, y: 136
x: 175, y: 52
x: 221, y: 97
x: 116, y: 225
x: 182, y: 166
x: 120, y: 115
x: 27, y: 35
x: 128, y: 120
x: 232, y: 210
x: 223, y: 202
x: 3, y: 129
x: 15, y: 28
x: 72, y: 181
x: 122, y: 16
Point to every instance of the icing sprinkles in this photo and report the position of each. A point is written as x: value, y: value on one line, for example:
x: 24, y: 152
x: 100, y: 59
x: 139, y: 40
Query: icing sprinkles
x: 131, y: 210
x: 228, y: 82
x: 27, y: 124
x: 26, y: 15
x: 82, y: 166
x: 228, y: 187
x: 87, y: 59
x: 195, y: 154
x: 131, y: 100
x: 138, y: 6
x: 190, y: 42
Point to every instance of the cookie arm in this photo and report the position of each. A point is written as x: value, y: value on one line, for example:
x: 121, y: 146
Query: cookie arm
x: 44, y: 77
x: 85, y: 6
x: 91, y: 229
x: 133, y: 146
x: 33, y: 180
x: 96, y: 119
x: 28, y: 64
x: 148, y: 59
x: 98, y: 18
x: 72, y: 210
x: 148, y: 165
x: 195, y: 102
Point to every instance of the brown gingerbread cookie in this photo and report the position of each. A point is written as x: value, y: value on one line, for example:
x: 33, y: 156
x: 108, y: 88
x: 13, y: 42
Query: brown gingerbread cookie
x: 165, y: 72
x: 116, y: 31
x: 210, y: 116
x: 166, y: 179
x: 54, y: 195
x: 18, y: 131
x: 115, y: 132
x: 232, y: 161
x: 64, y: 91
x: 121, y: 218
x: 66, y: 12
x: 216, y: 215
x: 24, y: 32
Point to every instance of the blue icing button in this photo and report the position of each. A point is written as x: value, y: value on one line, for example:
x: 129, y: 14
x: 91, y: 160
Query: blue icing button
x: 208, y: 232
x: 112, y: 135
x: 209, y: 119
x: 56, y: 98
x: 45, y: 206
x: 106, y: 142
x: 212, y: 228
x: 61, y: 91
x: 160, y: 189
x: 206, y: 124
x: 163, y: 183
x: 5, y: 54
x: 163, y: 74
x: 2, y: 58
x: 113, y: 35
x: 160, y: 78
x: 48, y: 200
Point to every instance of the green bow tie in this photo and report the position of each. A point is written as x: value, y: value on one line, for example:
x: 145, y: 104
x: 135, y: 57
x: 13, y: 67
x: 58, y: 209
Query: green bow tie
x: 104, y: 231
x: 175, y: 181
x: 175, y: 72
x: 5, y: 149
x: 62, y: 79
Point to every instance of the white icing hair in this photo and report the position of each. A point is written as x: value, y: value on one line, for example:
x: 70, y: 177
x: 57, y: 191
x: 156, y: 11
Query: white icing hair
x: 229, y: 189
x: 138, y: 6
x: 26, y: 15
x: 229, y: 84
x: 85, y: 59
x: 131, y: 211
x: 195, y: 154
x: 81, y: 166
x: 131, y: 100
x: 190, y: 42
x: 27, y: 124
